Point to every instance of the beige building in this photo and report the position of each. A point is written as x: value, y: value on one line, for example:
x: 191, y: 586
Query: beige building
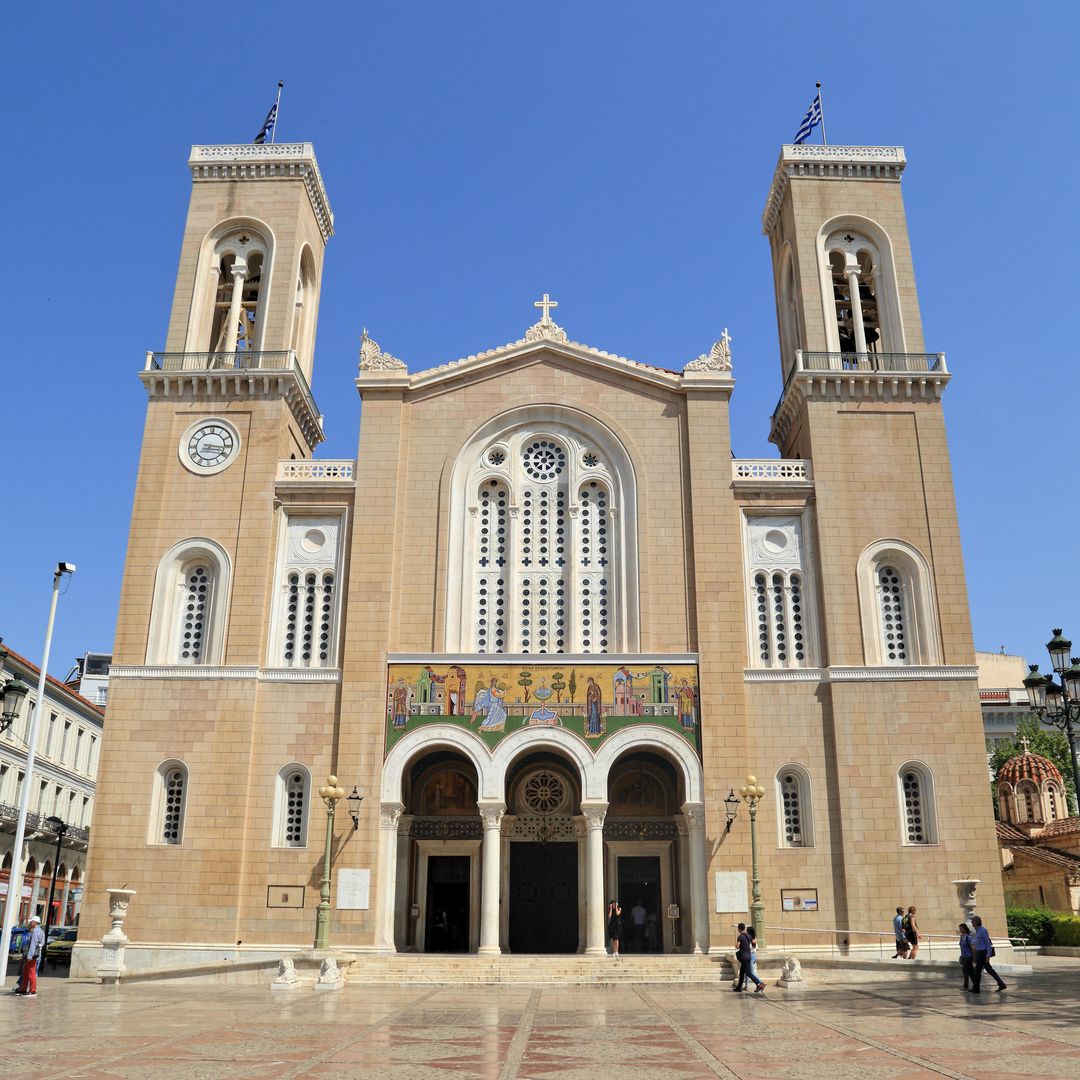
x: 543, y: 622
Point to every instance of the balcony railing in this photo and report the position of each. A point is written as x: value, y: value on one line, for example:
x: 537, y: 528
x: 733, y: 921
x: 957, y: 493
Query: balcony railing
x: 316, y: 471
x: 37, y: 823
x: 771, y: 471
x: 868, y: 361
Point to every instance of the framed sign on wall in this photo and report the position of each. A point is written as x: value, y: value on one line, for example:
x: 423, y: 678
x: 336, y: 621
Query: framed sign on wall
x: 798, y: 900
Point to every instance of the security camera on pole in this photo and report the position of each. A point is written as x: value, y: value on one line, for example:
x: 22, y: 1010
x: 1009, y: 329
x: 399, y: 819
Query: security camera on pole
x: 16, y: 876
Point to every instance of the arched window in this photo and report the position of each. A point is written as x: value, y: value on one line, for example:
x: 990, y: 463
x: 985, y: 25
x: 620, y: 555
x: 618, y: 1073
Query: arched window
x: 304, y: 310
x: 305, y: 621
x: 1006, y: 804
x: 896, y: 597
x: 1054, y: 800
x: 239, y: 259
x: 796, y: 813
x: 169, y: 804
x: 779, y: 624
x: 788, y: 309
x: 291, y: 806
x: 1027, y: 798
x: 917, y: 804
x: 187, y: 622
x: 859, y: 289
x: 535, y: 524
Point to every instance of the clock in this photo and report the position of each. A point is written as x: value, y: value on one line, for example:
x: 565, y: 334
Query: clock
x: 209, y: 446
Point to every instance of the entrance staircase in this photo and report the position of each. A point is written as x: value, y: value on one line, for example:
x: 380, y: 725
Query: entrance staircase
x: 521, y: 970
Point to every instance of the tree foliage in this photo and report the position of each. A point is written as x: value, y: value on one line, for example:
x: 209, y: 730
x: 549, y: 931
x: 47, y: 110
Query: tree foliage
x: 1048, y: 744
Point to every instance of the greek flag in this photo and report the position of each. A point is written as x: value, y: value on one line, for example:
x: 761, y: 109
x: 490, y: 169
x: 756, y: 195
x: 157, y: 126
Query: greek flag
x: 810, y: 121
x: 268, y: 125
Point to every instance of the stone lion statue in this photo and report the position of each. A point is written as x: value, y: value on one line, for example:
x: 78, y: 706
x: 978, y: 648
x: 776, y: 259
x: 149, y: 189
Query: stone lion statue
x: 791, y: 971
x: 286, y: 971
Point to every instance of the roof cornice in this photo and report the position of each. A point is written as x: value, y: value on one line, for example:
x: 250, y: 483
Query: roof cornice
x: 274, y: 161
x: 829, y: 163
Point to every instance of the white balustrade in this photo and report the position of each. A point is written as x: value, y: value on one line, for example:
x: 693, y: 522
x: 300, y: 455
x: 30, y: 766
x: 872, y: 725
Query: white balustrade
x: 771, y: 470
x: 330, y: 471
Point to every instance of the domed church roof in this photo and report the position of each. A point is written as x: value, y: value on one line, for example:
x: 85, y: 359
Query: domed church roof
x: 1029, y: 766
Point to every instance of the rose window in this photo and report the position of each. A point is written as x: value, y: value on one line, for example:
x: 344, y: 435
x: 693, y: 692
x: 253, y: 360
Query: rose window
x: 544, y: 460
x: 544, y: 793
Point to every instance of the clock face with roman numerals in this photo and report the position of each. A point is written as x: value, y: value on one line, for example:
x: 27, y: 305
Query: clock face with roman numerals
x: 209, y: 447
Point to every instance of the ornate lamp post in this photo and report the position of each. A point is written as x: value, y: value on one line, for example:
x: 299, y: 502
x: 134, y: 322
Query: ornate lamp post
x: 753, y: 792
x: 12, y: 694
x: 1059, y: 702
x: 731, y: 809
x: 329, y: 793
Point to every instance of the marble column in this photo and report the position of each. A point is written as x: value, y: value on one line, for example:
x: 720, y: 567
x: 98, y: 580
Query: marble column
x: 491, y: 813
x: 851, y: 271
x: 239, y: 273
x: 389, y: 815
x: 699, y: 906
x: 594, y: 813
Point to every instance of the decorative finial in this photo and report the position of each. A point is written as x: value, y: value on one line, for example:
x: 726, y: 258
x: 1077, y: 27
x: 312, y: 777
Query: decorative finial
x: 717, y: 359
x: 545, y: 329
x: 372, y: 358
x: 546, y: 304
x: 1025, y: 744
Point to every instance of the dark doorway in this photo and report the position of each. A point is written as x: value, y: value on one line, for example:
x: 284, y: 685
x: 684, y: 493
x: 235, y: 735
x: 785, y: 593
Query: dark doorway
x: 447, y: 925
x: 639, y: 888
x: 543, y: 898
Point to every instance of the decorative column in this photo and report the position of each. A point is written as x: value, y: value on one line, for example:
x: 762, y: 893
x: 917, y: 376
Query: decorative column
x: 239, y: 273
x: 594, y: 813
x: 111, y: 969
x: 491, y: 813
x: 389, y: 815
x: 699, y: 903
x: 851, y: 271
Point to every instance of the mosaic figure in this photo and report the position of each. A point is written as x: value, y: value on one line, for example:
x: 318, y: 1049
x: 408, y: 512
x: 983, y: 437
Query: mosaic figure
x: 687, y: 705
x: 594, y: 723
x: 400, y: 699
x: 489, y: 704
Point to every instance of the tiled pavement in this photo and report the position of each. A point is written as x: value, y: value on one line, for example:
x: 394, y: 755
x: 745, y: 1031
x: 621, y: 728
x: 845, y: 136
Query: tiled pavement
x: 892, y: 1030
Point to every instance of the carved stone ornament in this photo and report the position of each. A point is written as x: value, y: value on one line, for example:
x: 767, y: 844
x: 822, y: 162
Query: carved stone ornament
x: 695, y: 817
x: 287, y: 979
x: 389, y: 814
x: 545, y: 331
x: 330, y: 975
x: 717, y: 359
x: 594, y: 816
x: 492, y: 816
x: 372, y: 358
x: 791, y: 971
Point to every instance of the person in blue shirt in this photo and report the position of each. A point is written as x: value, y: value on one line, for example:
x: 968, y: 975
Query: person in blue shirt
x: 901, y: 937
x: 984, y: 949
x: 33, y: 947
x: 967, y: 954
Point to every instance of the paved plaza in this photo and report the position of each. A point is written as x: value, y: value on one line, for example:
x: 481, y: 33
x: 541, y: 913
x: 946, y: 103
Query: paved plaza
x: 898, y: 1030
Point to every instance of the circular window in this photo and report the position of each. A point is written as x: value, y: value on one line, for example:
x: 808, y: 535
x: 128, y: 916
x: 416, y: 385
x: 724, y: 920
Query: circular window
x: 313, y: 540
x: 590, y: 459
x: 775, y: 541
x: 544, y: 792
x: 496, y: 456
x: 544, y: 459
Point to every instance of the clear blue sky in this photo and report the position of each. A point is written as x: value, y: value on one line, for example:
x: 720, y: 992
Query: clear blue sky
x: 616, y: 155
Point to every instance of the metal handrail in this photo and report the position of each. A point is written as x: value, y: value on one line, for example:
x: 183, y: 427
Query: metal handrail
x: 882, y: 936
x: 871, y: 361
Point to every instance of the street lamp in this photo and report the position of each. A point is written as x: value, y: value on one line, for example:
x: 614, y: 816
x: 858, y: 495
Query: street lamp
x: 1059, y: 703
x: 753, y: 792
x: 59, y: 827
x: 354, y: 801
x: 12, y: 694
x: 731, y: 808
x: 329, y: 793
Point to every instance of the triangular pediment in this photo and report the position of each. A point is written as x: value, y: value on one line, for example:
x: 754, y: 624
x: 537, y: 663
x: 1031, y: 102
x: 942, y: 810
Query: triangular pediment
x: 544, y: 337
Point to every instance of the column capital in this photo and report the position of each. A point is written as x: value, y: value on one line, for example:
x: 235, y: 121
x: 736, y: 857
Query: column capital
x: 491, y: 812
x: 389, y: 815
x: 594, y: 811
x: 694, y: 813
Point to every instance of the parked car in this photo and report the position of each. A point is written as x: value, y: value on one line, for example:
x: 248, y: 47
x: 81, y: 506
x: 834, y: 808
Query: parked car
x: 59, y: 951
x: 58, y: 931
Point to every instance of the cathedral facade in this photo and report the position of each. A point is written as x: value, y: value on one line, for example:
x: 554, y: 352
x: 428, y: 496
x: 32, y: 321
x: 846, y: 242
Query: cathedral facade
x: 544, y: 624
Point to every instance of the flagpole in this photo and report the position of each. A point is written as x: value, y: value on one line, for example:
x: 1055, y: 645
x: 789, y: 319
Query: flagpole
x: 824, y: 139
x: 277, y: 113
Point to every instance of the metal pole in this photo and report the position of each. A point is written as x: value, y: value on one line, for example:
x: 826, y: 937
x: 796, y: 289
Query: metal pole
x: 12, y: 901
x: 821, y: 106
x: 757, y: 908
x: 52, y: 887
x: 277, y: 113
x: 1071, y: 736
x: 322, y: 916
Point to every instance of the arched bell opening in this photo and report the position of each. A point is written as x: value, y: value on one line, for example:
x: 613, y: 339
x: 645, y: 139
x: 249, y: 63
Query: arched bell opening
x: 543, y: 855
x: 439, y: 840
x: 646, y: 851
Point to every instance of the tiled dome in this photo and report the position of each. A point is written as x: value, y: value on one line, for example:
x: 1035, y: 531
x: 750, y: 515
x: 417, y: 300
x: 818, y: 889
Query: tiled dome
x: 1029, y: 766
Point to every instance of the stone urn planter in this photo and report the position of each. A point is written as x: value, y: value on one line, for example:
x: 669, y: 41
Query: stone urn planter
x: 965, y: 894
x: 111, y: 968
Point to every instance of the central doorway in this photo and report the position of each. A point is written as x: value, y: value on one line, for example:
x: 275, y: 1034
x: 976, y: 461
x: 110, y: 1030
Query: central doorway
x: 447, y: 924
x: 543, y: 898
x: 639, y: 894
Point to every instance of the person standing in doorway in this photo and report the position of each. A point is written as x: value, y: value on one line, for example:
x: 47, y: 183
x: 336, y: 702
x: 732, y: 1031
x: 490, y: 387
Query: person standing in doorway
x: 901, y: 937
x: 967, y: 955
x: 984, y: 949
x: 614, y: 926
x: 638, y: 918
x: 34, y: 946
x: 743, y: 953
x: 911, y: 932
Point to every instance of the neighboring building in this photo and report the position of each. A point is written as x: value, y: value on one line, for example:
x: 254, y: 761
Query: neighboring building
x: 1003, y: 699
x: 1040, y: 843
x: 64, y: 781
x: 91, y: 677
x: 543, y: 621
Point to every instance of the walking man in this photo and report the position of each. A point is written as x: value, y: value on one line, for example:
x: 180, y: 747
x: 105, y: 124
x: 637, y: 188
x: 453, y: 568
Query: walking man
x: 901, y: 937
x: 984, y: 949
x: 35, y: 944
x: 743, y: 952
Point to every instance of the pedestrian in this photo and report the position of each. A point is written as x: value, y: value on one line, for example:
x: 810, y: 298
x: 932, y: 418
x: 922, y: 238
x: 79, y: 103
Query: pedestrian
x: 967, y: 954
x: 752, y: 934
x: 614, y: 926
x: 901, y: 937
x: 984, y: 949
x: 638, y: 917
x: 744, y: 953
x: 911, y: 931
x: 33, y: 946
